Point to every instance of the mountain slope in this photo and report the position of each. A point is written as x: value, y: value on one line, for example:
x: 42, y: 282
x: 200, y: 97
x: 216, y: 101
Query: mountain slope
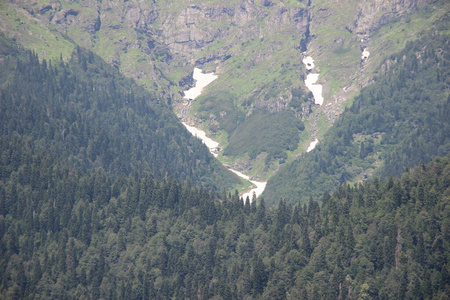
x: 87, y: 114
x: 396, y: 122
x: 256, y: 48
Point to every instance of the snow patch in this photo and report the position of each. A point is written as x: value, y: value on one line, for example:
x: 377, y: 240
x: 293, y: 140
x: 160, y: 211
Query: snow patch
x: 312, y: 145
x: 365, y: 54
x: 260, y: 186
x: 210, y: 143
x: 309, y: 62
x: 201, y: 81
x: 311, y: 79
x: 316, y: 89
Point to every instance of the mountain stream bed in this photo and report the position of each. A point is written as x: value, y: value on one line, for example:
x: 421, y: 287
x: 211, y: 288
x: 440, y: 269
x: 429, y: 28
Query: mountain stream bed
x: 201, y: 81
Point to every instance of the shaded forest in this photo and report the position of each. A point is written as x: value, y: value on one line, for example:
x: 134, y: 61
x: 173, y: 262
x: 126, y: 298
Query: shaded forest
x: 278, y: 132
x: 395, y: 123
x: 87, y: 114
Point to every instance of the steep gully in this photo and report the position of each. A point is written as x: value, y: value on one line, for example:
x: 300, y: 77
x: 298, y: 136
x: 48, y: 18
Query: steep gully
x: 204, y: 79
x: 316, y: 90
x: 201, y: 81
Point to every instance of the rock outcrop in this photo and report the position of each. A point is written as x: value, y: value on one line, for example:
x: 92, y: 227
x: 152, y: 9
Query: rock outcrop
x: 185, y: 31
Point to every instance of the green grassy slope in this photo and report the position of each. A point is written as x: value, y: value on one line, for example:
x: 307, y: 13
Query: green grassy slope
x: 33, y: 33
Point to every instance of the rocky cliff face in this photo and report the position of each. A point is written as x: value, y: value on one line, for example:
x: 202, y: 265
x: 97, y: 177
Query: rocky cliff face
x: 374, y: 14
x: 185, y: 29
x: 196, y: 26
x: 127, y: 33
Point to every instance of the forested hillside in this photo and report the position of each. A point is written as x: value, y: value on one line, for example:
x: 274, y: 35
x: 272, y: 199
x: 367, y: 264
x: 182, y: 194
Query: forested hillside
x: 104, y: 194
x: 396, y: 122
x: 65, y: 234
x: 83, y: 112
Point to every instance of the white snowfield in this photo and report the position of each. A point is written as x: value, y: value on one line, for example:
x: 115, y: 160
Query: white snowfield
x: 309, y: 62
x: 312, y: 145
x: 316, y: 89
x: 365, y: 54
x: 201, y: 81
x: 311, y: 79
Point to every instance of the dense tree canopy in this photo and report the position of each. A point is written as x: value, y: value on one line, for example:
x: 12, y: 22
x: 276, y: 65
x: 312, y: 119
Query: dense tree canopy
x: 68, y: 234
x: 85, y: 112
x: 278, y: 132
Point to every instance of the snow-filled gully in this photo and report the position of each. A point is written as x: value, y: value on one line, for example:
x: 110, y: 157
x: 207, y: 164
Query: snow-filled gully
x: 316, y: 90
x: 311, y: 79
x: 201, y: 81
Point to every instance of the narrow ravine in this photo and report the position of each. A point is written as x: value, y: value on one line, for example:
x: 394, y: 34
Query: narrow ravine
x: 201, y: 81
x: 316, y: 90
x: 311, y: 79
x: 210, y: 143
